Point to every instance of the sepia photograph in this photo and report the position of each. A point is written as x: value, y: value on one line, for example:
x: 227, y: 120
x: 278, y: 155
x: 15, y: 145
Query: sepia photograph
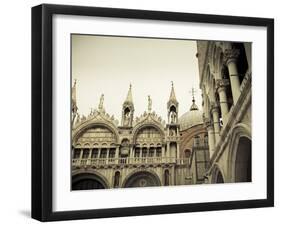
x: 159, y: 112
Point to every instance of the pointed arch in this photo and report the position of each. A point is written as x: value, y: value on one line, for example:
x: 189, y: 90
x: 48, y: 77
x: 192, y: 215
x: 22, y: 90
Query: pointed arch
x: 240, y: 131
x: 217, y: 175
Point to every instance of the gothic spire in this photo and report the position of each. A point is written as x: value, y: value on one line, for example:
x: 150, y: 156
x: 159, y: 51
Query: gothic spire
x: 172, y: 107
x: 129, y: 98
x: 172, y: 94
x: 128, y: 109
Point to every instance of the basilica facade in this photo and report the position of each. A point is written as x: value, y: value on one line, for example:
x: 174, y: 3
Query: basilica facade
x: 226, y: 84
x: 142, y: 151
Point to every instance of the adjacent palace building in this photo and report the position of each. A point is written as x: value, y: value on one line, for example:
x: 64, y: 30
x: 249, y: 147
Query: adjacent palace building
x: 226, y: 84
x: 209, y: 146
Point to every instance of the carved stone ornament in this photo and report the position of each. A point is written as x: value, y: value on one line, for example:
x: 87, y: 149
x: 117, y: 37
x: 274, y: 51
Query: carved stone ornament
x: 222, y: 83
x: 230, y: 55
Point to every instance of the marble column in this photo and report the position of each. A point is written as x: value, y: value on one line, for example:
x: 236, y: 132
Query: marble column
x: 216, y: 121
x: 211, y: 138
x: 223, y: 99
x: 131, y: 152
x: 90, y: 153
x: 178, y: 151
x: 141, y: 152
x: 231, y: 56
x: 99, y: 151
x: 204, y: 102
x: 131, y: 155
x: 81, y: 154
x: 248, y: 50
x: 117, y: 155
x: 168, y: 152
x: 163, y: 153
x: 107, y: 155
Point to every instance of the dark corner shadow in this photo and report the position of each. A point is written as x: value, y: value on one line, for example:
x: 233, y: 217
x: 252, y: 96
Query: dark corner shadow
x: 25, y: 213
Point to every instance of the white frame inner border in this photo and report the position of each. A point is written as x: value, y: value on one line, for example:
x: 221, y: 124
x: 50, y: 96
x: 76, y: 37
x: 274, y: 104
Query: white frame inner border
x: 64, y: 199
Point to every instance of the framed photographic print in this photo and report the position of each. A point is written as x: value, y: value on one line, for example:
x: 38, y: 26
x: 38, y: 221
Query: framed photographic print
x: 145, y: 112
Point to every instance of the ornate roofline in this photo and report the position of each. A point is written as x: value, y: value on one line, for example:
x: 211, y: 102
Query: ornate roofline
x: 98, y: 118
x: 149, y: 120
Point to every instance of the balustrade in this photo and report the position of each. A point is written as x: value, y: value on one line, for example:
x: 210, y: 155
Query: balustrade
x: 131, y: 160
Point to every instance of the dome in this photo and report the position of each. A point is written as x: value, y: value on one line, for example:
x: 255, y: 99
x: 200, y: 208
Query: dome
x: 190, y: 118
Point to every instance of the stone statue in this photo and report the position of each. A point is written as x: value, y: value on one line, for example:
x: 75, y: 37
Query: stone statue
x: 127, y: 119
x: 173, y: 117
x: 101, y: 102
x: 171, y: 133
x: 149, y: 104
x: 92, y: 111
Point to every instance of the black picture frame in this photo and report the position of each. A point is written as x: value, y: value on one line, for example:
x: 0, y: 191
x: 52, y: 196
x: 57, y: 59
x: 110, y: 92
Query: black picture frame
x: 42, y: 106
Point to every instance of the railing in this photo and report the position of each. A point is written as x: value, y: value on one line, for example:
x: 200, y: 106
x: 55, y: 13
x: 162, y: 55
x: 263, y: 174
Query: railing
x: 124, y: 161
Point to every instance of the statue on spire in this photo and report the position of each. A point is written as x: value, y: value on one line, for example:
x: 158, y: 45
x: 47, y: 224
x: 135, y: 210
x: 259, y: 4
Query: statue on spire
x: 149, y: 104
x: 101, y: 102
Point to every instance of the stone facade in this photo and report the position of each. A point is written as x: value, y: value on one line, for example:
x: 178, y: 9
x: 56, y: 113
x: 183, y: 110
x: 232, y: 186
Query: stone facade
x: 142, y: 151
x: 225, y: 81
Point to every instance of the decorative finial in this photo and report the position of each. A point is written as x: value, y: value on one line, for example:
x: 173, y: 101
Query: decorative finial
x: 193, y: 94
x: 193, y: 106
x: 172, y: 83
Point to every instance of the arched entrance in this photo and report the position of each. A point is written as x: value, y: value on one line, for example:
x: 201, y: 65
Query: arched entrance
x: 219, y: 179
x: 243, y: 161
x: 217, y: 176
x: 142, y: 179
x: 88, y: 181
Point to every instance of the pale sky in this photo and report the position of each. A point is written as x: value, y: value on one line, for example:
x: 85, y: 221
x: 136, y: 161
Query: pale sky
x: 107, y: 65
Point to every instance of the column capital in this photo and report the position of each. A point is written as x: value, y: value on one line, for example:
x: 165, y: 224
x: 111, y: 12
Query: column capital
x: 231, y: 55
x: 214, y: 109
x: 222, y: 83
x: 210, y: 127
x: 208, y: 124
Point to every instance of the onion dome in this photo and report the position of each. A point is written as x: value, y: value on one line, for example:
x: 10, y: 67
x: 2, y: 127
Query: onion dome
x: 191, y: 118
